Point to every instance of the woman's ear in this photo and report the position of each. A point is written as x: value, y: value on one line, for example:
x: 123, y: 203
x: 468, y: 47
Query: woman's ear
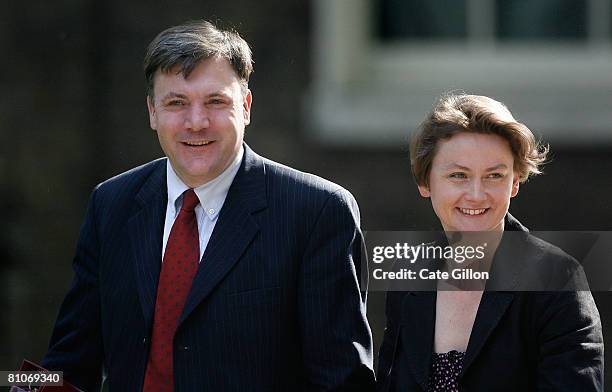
x: 424, y: 190
x: 515, y: 186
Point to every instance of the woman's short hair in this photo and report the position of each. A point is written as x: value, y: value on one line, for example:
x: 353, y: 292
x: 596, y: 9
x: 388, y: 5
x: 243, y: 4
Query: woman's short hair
x: 455, y: 113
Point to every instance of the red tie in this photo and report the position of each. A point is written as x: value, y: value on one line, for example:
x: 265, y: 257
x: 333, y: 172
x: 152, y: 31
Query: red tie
x: 178, y: 269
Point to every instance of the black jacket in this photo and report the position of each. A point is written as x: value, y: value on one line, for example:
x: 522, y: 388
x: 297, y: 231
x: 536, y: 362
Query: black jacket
x: 521, y: 341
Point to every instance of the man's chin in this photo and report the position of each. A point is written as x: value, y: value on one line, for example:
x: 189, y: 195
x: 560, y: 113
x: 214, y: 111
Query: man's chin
x: 196, y: 176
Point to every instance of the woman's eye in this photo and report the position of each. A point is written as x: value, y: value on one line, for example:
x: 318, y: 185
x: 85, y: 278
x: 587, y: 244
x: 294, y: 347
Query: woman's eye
x: 458, y: 175
x: 495, y: 175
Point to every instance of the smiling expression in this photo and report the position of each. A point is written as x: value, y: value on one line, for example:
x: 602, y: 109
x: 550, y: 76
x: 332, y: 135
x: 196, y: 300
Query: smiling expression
x: 471, y: 182
x: 200, y: 120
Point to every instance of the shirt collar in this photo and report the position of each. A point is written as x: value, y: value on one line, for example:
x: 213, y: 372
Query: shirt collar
x: 212, y: 194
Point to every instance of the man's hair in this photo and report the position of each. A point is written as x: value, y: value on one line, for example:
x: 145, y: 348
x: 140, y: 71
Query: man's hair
x: 455, y: 113
x: 183, y: 47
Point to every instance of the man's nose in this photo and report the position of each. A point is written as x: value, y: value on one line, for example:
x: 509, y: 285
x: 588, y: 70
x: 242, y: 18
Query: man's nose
x: 197, y: 118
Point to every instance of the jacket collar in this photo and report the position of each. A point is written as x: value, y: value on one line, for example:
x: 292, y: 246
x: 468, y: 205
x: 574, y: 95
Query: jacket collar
x: 233, y: 232
x: 512, y: 224
x: 418, y: 316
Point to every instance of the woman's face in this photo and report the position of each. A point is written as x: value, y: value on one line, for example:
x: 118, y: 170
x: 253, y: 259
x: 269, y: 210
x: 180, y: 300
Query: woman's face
x: 471, y: 182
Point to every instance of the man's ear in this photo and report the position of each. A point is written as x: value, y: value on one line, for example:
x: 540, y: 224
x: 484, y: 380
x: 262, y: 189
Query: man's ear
x: 246, y: 106
x: 152, y: 113
x: 424, y: 190
x: 515, y: 186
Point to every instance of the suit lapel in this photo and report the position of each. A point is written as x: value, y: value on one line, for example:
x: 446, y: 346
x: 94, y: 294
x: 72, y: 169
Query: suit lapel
x: 419, y: 323
x: 492, y: 307
x: 417, y: 332
x: 234, y: 230
x: 499, y: 293
x: 146, y: 229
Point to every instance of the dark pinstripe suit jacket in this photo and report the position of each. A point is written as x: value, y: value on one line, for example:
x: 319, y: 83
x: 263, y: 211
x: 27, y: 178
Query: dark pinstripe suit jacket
x: 275, y: 305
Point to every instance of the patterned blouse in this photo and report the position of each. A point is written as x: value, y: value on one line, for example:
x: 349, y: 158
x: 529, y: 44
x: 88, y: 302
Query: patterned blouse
x: 444, y: 372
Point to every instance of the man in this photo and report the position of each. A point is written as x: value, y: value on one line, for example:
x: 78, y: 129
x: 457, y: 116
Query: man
x: 214, y: 269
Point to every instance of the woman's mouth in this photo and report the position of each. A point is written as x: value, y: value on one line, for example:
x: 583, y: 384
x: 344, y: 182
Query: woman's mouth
x: 472, y: 211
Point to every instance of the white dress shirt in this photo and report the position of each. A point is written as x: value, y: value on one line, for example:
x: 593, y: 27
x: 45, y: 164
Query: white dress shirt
x: 212, y: 196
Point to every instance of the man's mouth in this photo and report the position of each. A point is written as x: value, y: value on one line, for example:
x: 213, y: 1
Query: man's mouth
x: 472, y: 211
x: 198, y: 143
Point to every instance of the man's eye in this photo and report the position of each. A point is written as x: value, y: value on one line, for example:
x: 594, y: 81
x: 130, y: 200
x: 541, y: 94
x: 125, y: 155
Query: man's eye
x: 457, y: 175
x: 176, y: 103
x: 216, y: 101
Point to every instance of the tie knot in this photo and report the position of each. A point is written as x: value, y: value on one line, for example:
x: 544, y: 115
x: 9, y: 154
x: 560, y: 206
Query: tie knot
x: 190, y: 200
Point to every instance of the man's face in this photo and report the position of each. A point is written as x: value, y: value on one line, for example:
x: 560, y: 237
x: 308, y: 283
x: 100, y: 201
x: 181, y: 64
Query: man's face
x: 200, y: 120
x: 471, y: 182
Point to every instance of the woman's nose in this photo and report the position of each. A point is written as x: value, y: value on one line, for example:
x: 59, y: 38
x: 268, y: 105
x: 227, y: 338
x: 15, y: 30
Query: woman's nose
x: 476, y: 191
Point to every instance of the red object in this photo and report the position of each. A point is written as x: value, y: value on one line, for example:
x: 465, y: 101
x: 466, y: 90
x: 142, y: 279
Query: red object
x: 179, y: 267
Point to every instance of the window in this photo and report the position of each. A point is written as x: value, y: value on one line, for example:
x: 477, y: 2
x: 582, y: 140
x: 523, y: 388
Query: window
x: 420, y: 19
x: 379, y: 65
x: 503, y: 20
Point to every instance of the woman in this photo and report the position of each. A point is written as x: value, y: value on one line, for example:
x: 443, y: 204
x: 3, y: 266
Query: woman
x: 469, y: 157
